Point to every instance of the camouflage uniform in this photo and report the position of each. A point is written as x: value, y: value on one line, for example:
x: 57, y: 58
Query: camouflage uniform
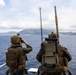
x: 44, y: 70
x: 64, y: 57
x: 21, y: 67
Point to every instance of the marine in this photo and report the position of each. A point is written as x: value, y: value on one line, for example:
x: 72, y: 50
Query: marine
x: 16, y: 56
x: 63, y: 58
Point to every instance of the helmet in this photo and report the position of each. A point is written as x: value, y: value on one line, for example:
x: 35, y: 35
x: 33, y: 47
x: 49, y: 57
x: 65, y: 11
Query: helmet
x: 15, y: 39
x: 52, y: 35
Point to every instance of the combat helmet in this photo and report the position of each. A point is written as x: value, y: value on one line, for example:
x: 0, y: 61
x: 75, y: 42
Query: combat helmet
x: 15, y: 39
x: 52, y: 35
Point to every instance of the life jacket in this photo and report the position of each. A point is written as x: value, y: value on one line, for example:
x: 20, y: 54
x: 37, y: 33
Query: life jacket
x: 49, y: 50
x: 12, y: 57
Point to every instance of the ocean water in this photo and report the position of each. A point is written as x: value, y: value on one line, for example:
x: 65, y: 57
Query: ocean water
x: 68, y: 41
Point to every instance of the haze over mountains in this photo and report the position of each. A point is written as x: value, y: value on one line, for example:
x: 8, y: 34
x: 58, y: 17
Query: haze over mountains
x: 36, y: 32
x: 29, y: 31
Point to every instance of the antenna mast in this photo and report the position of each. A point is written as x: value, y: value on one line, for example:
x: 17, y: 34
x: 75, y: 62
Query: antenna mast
x: 56, y: 21
x: 41, y: 25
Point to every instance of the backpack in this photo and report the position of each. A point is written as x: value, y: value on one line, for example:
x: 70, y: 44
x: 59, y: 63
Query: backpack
x: 49, y: 49
x: 12, y: 58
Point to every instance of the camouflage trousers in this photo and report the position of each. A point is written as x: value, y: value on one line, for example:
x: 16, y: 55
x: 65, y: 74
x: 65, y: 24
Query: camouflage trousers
x: 43, y: 70
x: 23, y: 72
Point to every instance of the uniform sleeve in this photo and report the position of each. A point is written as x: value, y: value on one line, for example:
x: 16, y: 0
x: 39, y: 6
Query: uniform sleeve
x: 39, y: 56
x: 28, y: 49
x: 67, y: 54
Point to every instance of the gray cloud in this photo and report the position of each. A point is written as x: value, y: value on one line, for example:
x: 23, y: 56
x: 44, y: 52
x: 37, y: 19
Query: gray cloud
x: 20, y: 14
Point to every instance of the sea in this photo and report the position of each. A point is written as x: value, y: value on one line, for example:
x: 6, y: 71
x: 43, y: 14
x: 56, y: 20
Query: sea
x: 68, y: 41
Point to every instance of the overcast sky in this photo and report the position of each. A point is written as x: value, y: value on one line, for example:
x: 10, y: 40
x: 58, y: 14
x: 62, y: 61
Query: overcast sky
x: 16, y: 15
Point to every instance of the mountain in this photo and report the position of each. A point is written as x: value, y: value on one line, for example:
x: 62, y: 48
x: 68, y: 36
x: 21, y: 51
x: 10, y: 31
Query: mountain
x: 68, y: 33
x: 35, y: 31
x: 29, y: 31
x: 8, y: 33
x: 44, y: 31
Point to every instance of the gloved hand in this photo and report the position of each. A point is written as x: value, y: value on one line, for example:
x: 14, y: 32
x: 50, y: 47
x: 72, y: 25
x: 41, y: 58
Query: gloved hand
x: 23, y: 41
x: 65, y: 69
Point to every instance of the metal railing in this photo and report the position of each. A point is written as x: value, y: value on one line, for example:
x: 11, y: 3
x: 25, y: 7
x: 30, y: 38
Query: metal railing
x: 2, y: 65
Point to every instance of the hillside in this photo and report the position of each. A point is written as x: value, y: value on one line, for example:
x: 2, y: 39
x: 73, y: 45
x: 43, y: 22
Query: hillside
x: 36, y: 32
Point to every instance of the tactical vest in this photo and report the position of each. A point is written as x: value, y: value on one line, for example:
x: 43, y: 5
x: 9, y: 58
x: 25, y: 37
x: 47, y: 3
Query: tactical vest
x: 49, y: 50
x: 12, y: 57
